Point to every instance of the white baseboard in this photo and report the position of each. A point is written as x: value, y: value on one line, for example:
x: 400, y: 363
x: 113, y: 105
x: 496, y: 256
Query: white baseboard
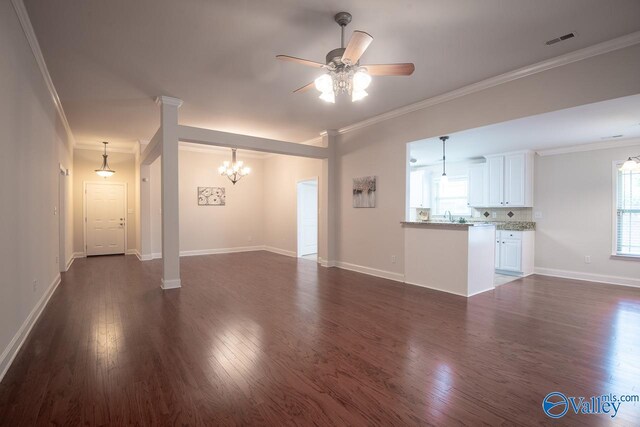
x: 279, y: 251
x: 79, y: 255
x: 324, y: 263
x: 436, y: 289
x: 590, y: 277
x: 222, y: 250
x: 398, y: 277
x: 197, y: 252
x: 131, y: 252
x: 69, y: 262
x: 19, y: 338
x: 171, y: 284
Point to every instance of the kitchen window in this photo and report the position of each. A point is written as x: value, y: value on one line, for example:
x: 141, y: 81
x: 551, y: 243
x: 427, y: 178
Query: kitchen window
x: 627, y: 213
x: 451, y: 195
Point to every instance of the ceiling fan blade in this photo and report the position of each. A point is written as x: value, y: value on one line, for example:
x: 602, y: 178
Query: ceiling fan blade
x: 305, y: 88
x: 405, y: 69
x: 359, y: 42
x: 300, y: 61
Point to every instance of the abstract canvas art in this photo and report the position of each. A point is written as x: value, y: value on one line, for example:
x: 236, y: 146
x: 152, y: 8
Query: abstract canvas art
x: 364, y: 192
x: 211, y: 196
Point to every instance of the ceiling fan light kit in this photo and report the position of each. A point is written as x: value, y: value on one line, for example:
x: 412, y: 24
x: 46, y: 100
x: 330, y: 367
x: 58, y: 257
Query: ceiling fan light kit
x: 344, y: 73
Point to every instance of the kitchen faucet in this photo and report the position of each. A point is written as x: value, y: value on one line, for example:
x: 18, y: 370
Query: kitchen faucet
x: 447, y: 215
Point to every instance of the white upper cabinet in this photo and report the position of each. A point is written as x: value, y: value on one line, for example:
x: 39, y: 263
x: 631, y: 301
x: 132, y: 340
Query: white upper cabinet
x: 416, y: 189
x: 514, y: 179
x: 495, y: 186
x: 419, y: 189
x: 477, y: 196
x: 510, y: 180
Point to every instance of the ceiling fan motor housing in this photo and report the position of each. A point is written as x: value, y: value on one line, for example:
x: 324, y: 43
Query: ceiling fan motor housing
x: 335, y: 56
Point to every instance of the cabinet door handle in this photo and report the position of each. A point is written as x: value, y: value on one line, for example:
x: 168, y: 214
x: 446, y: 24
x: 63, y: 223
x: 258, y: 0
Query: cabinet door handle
x: 507, y: 203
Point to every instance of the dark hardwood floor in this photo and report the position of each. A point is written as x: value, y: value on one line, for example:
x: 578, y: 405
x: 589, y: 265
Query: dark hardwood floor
x: 262, y: 339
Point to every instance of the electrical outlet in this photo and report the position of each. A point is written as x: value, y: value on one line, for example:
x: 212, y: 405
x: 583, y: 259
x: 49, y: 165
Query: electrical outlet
x: 57, y: 260
x: 393, y: 259
x: 55, y: 210
x: 537, y: 215
x: 249, y: 238
x: 587, y: 259
x: 494, y: 214
x: 35, y: 285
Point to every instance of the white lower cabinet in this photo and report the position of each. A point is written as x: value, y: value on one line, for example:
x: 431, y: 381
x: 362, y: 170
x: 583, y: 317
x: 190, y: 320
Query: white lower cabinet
x: 514, y: 252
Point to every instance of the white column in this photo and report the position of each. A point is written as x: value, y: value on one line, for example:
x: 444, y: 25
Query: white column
x: 328, y: 192
x: 170, y: 198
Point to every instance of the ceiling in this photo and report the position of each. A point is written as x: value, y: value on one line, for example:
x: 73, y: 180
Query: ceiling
x: 593, y: 123
x: 109, y: 59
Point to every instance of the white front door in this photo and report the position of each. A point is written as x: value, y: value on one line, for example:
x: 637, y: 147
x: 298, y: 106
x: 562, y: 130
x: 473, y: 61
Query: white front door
x: 307, y: 218
x: 105, y: 218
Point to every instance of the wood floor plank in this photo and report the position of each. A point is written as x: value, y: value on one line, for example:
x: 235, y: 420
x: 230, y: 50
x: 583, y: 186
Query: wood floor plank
x: 263, y: 339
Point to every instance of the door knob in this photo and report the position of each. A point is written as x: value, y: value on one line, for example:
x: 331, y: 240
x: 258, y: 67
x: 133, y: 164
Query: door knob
x: 121, y: 223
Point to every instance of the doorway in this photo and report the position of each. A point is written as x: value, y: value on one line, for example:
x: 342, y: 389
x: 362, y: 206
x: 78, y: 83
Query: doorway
x: 61, y: 211
x: 307, y: 196
x: 105, y: 210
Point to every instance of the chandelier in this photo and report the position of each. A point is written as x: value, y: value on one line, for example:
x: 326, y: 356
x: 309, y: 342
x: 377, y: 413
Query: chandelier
x: 105, y: 171
x: 344, y: 79
x: 234, y: 170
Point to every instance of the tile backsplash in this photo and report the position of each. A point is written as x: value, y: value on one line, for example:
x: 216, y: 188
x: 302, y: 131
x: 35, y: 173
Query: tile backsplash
x: 503, y: 214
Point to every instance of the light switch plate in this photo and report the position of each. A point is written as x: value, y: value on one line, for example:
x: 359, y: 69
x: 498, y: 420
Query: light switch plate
x: 130, y: 211
x: 537, y: 214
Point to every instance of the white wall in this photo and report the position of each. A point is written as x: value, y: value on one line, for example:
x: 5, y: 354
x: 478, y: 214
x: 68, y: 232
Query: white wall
x: 239, y: 224
x: 369, y: 237
x: 33, y: 144
x: 281, y: 176
x: 261, y: 209
x: 85, y: 162
x: 574, y: 193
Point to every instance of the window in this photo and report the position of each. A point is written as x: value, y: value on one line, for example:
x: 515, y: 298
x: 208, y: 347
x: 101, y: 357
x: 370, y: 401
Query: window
x: 627, y: 233
x: 450, y: 196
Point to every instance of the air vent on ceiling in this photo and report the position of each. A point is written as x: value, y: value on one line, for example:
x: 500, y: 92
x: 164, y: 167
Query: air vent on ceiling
x: 560, y: 39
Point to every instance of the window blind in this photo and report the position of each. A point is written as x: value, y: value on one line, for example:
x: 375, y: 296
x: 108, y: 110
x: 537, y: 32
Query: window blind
x: 628, y: 213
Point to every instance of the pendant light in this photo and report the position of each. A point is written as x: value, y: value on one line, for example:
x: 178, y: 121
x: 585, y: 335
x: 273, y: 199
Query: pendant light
x: 105, y: 171
x: 444, y: 179
x: 234, y: 170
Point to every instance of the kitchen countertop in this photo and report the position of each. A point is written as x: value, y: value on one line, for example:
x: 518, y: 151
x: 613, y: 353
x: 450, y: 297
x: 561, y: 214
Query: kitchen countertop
x: 451, y: 225
x: 500, y: 225
x: 513, y: 225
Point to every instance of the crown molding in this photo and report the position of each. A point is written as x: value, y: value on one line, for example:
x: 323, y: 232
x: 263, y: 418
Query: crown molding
x: 603, y: 145
x: 27, y: 28
x: 559, y: 61
x: 168, y: 100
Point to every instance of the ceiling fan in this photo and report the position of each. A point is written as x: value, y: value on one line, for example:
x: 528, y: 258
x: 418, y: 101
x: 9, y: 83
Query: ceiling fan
x: 344, y: 74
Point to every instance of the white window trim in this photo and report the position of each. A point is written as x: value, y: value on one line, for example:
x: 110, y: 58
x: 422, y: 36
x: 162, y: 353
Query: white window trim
x: 614, y: 217
x: 433, y: 198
